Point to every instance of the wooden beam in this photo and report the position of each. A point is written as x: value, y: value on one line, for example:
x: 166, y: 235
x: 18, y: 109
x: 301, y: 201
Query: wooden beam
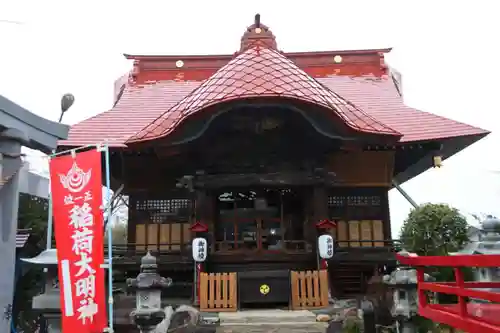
x: 265, y: 179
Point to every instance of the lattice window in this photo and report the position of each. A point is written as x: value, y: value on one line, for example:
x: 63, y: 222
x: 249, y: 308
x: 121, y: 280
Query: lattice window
x: 355, y: 206
x: 336, y: 201
x: 363, y: 201
x: 163, y: 210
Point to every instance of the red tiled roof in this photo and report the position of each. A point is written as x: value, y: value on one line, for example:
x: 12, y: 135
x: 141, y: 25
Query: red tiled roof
x: 261, y: 72
x: 363, y: 96
x: 141, y: 105
x: 379, y: 97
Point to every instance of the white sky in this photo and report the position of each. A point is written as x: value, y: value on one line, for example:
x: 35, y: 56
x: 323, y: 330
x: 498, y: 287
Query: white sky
x: 447, y: 51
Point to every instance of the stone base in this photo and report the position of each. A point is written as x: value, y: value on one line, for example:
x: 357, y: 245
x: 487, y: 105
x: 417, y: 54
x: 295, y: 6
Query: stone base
x: 274, y: 328
x: 266, y: 317
x: 265, y: 321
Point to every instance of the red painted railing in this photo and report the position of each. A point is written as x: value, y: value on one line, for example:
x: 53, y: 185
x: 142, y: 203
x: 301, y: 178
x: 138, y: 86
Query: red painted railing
x: 467, y: 316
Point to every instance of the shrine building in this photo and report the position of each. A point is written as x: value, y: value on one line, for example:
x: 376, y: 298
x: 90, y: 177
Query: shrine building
x: 260, y: 152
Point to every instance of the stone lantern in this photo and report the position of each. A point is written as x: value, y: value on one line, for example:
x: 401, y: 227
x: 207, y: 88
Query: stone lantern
x: 403, y: 283
x: 48, y: 304
x: 148, y: 286
x: 486, y: 243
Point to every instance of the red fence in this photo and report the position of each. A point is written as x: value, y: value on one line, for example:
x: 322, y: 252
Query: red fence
x: 467, y: 316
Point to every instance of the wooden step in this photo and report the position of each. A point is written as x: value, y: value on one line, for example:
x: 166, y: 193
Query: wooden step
x: 347, y: 278
x: 349, y: 282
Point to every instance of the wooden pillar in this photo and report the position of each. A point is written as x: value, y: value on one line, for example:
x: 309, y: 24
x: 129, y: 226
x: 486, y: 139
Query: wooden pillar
x: 201, y: 205
x: 387, y: 216
x: 200, y: 214
x: 132, y: 224
x: 320, y: 203
x: 320, y: 212
x: 201, y: 211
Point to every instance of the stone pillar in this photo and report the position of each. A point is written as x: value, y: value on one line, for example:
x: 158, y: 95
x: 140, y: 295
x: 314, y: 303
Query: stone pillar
x: 11, y: 141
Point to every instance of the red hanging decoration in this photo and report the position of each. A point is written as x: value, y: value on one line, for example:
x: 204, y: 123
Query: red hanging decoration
x: 326, y: 224
x: 198, y: 227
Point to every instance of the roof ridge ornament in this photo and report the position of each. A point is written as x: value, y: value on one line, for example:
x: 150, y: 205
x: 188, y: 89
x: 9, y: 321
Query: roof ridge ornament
x: 259, y: 34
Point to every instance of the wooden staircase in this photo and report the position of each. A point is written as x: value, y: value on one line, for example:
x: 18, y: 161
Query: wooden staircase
x: 348, y: 279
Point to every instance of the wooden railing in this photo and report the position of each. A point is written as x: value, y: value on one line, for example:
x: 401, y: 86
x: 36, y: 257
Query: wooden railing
x: 309, y: 289
x: 372, y: 243
x: 287, y: 246
x: 465, y: 315
x: 156, y: 249
x: 218, y: 292
x: 141, y: 249
x: 228, y: 247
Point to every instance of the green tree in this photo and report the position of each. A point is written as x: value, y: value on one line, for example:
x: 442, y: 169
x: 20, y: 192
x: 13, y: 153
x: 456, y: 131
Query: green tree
x: 33, y: 215
x: 434, y: 229
x: 119, y: 234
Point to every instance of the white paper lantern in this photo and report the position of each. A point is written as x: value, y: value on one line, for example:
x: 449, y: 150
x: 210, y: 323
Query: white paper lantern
x: 325, y: 246
x: 199, y: 246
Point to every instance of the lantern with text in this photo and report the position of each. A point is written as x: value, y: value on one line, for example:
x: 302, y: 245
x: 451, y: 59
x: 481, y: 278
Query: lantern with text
x: 325, y: 246
x: 76, y: 193
x: 199, y: 249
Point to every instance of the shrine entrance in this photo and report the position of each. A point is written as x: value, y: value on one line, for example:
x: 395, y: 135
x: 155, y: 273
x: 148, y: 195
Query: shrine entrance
x: 260, y: 219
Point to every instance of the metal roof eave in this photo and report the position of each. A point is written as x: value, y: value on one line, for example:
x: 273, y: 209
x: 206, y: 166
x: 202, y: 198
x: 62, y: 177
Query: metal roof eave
x: 451, y: 146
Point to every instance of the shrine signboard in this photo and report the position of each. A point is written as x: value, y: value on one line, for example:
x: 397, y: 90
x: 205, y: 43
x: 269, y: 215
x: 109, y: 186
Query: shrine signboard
x: 76, y: 192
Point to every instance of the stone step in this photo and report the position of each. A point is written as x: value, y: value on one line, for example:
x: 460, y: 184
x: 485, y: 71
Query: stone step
x: 261, y: 317
x: 281, y: 328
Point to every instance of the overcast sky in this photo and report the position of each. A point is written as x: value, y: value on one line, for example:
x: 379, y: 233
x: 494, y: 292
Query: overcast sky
x: 447, y: 51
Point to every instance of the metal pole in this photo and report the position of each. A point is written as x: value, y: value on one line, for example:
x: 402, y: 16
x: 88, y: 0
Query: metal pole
x: 45, y: 327
x: 49, y: 221
x: 195, y: 283
x: 318, y: 259
x: 49, y: 197
x: 404, y: 194
x: 62, y: 152
x: 110, y: 238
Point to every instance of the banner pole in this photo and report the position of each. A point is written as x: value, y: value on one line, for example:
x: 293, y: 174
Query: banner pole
x: 64, y: 152
x: 49, y: 222
x: 50, y: 216
x: 110, y: 238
